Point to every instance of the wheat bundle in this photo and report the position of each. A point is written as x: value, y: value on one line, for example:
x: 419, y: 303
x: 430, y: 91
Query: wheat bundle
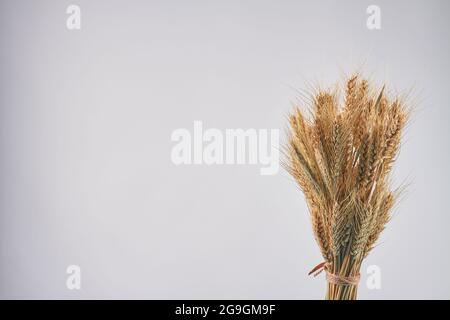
x: 341, y: 159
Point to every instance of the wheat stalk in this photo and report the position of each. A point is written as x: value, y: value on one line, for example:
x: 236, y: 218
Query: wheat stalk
x: 341, y: 159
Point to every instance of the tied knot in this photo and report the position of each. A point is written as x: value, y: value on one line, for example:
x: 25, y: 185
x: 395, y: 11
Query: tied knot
x: 334, y: 278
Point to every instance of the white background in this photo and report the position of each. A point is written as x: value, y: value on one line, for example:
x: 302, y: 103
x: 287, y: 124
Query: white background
x: 86, y: 119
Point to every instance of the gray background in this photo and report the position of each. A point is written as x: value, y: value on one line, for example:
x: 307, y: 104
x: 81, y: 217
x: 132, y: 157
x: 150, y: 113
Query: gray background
x: 86, y: 118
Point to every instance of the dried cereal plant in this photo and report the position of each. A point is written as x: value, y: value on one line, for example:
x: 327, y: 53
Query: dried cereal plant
x: 341, y: 159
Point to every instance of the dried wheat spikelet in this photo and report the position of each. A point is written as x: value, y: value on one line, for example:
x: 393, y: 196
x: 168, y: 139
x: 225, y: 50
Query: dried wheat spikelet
x: 341, y: 158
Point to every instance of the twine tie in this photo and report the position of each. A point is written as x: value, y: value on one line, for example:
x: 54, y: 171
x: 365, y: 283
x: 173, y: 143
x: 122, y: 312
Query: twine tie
x: 334, y: 278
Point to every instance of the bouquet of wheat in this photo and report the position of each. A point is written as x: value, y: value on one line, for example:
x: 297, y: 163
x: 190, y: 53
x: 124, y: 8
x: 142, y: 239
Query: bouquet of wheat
x: 341, y: 159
